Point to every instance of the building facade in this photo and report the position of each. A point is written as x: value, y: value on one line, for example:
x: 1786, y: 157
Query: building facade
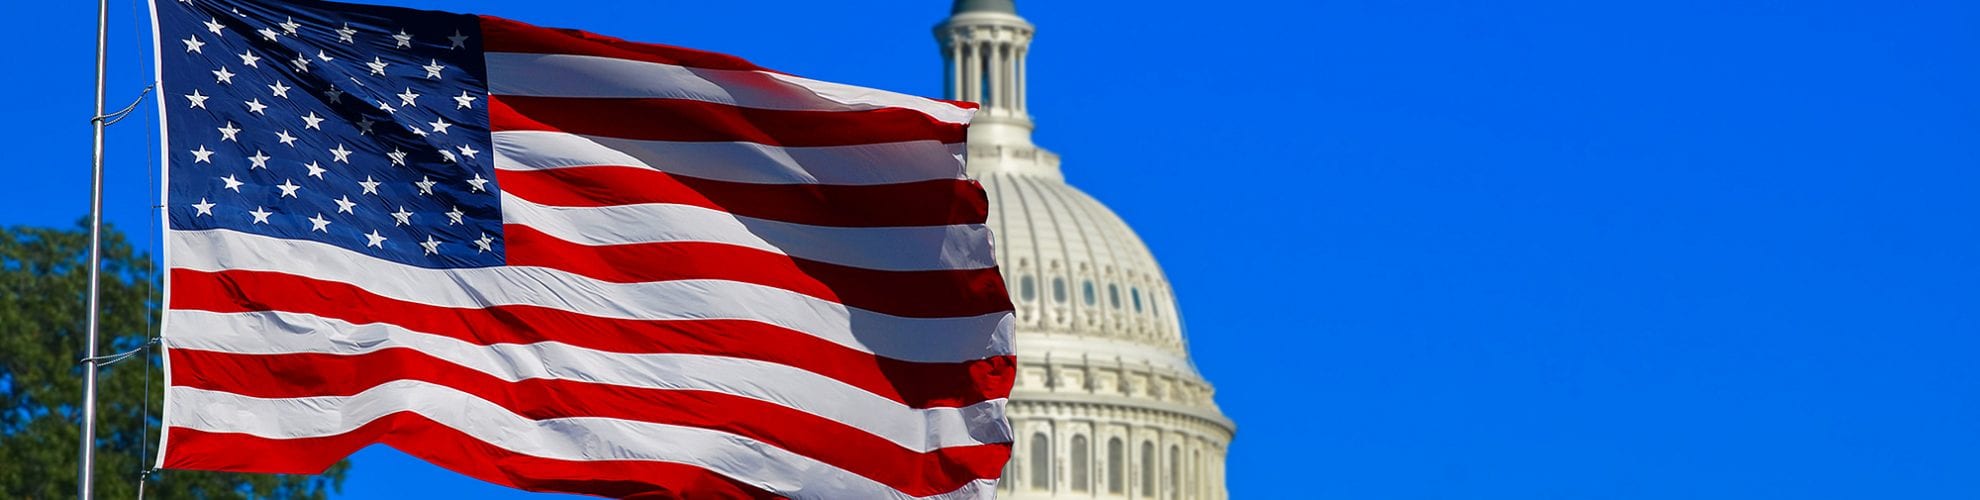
x: 1107, y: 403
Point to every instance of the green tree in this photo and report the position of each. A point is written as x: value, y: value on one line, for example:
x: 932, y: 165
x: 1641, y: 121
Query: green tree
x: 43, y: 280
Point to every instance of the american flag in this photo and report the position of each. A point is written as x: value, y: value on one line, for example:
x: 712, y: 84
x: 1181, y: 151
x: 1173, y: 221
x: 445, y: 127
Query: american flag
x: 561, y: 261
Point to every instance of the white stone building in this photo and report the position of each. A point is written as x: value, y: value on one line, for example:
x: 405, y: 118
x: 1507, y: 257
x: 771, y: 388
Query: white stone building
x: 1107, y: 404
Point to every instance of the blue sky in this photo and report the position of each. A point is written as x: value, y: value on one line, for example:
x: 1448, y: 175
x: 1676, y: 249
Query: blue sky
x: 1521, y: 250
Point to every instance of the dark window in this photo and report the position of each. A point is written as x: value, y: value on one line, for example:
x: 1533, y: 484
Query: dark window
x: 1027, y: 288
x: 1135, y: 293
x: 1114, y: 295
x: 1080, y: 465
x: 1147, y: 469
x: 1041, y: 462
x: 1087, y: 289
x: 1059, y: 290
x: 1115, y: 455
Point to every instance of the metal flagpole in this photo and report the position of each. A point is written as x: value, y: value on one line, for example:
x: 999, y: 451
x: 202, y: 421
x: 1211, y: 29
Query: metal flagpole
x: 84, y: 482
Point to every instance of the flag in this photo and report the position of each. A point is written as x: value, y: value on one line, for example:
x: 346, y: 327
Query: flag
x: 561, y: 261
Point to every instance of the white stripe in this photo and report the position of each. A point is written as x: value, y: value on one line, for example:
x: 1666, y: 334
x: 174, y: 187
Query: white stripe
x: 866, y: 164
x: 913, y: 248
x: 575, y: 439
x: 918, y: 430
x: 567, y: 75
x: 939, y: 340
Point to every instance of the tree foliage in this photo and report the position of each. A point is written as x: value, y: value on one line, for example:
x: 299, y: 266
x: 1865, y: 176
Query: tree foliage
x: 43, y: 283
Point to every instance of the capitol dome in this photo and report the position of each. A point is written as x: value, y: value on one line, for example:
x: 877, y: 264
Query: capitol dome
x: 1107, y: 403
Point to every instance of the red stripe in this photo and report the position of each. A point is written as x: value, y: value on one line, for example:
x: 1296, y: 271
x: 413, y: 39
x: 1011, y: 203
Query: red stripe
x: 684, y: 120
x: 503, y: 35
x: 193, y: 449
x: 831, y: 442
x: 918, y: 385
x: 925, y: 203
x: 909, y: 294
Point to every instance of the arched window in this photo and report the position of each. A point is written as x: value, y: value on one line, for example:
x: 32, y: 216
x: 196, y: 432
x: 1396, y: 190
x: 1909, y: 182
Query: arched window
x: 1059, y: 290
x: 1115, y: 468
x: 1041, y: 462
x: 1135, y: 293
x: 1087, y: 289
x: 1195, y: 472
x: 1175, y: 471
x: 1147, y: 469
x: 1080, y: 465
x: 1027, y: 288
x: 1114, y: 295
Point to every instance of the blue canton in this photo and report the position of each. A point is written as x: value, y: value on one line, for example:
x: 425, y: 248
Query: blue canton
x: 358, y: 126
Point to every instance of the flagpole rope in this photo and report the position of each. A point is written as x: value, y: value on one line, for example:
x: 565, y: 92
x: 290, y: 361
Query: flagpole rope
x: 151, y: 238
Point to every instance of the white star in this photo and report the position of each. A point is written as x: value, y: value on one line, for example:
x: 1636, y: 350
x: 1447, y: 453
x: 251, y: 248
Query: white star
x: 314, y: 169
x: 214, y: 25
x: 249, y: 59
x: 370, y: 186
x: 341, y: 154
x: 203, y: 207
x: 255, y: 106
x: 375, y: 239
x: 464, y: 101
x: 433, y: 68
x: 259, y: 160
x: 288, y: 188
x: 321, y: 56
x: 387, y: 108
x: 364, y: 124
x: 301, y: 62
x: 232, y: 183
x: 335, y: 96
x: 290, y: 26
x: 266, y: 33
x: 286, y: 139
x: 402, y: 217
x: 260, y: 215
x: 193, y: 44
x: 409, y: 98
x: 228, y: 132
x: 344, y: 33
x: 432, y: 245
x: 403, y: 39
x: 344, y: 204
x: 377, y: 66
x: 439, y: 125
x: 479, y: 184
x: 484, y: 244
x: 454, y: 216
x: 458, y: 40
x: 223, y: 76
x: 202, y: 155
x: 425, y: 184
x: 198, y: 101
x: 415, y: 130
x: 398, y: 157
x: 468, y: 150
x: 311, y: 121
x: 448, y: 156
x: 318, y: 223
x: 279, y: 89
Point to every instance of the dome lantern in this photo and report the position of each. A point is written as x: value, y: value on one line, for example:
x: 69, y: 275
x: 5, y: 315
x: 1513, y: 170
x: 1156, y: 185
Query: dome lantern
x: 984, y: 47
